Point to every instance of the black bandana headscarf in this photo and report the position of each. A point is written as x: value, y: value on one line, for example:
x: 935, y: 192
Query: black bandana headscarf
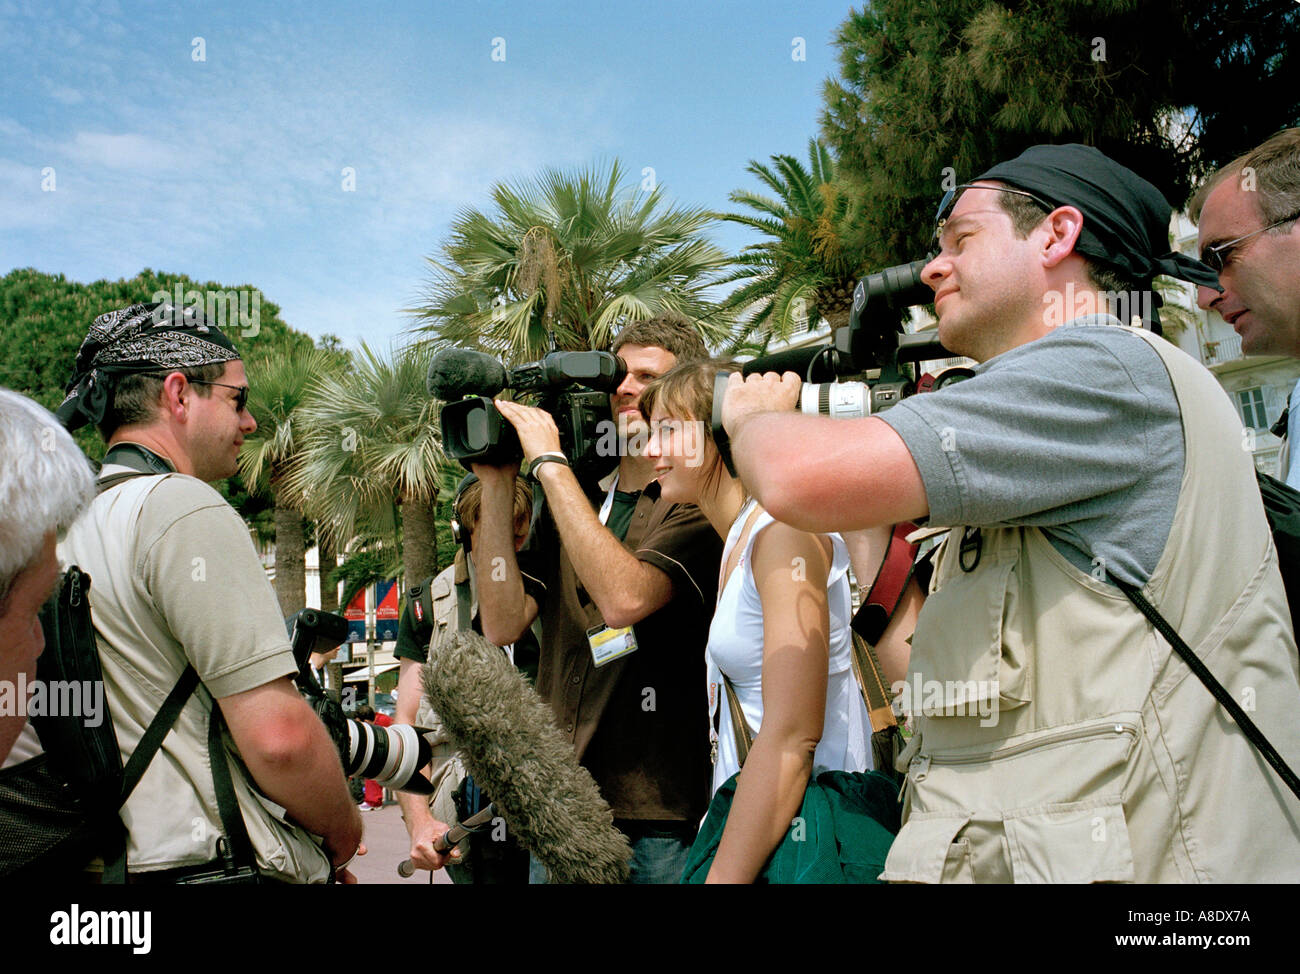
x: 1125, y: 218
x: 141, y: 338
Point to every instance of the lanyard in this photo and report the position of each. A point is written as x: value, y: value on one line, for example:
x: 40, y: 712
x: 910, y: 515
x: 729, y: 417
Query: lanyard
x: 608, y: 505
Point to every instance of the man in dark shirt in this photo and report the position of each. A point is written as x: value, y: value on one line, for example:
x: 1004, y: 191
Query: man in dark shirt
x: 629, y: 594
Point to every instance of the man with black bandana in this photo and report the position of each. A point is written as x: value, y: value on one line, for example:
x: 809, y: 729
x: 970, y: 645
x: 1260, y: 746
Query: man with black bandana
x: 179, y: 597
x: 1058, y: 739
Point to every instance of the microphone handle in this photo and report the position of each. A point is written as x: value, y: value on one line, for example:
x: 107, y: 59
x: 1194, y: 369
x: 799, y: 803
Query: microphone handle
x: 453, y: 836
x: 458, y: 831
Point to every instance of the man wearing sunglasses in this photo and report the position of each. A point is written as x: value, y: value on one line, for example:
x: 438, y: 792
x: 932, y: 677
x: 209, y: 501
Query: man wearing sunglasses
x: 247, y: 774
x: 1248, y: 216
x: 1057, y: 737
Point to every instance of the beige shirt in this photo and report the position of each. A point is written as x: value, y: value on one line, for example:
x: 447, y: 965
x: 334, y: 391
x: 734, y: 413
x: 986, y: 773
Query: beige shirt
x: 175, y: 579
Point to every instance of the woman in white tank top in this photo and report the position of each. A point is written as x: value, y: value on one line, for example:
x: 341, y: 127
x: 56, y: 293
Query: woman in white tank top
x: 780, y: 633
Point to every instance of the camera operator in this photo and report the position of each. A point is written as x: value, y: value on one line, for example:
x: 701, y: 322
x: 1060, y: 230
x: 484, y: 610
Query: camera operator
x: 1066, y: 742
x: 443, y: 604
x: 629, y: 592
x: 173, y: 567
x: 45, y: 483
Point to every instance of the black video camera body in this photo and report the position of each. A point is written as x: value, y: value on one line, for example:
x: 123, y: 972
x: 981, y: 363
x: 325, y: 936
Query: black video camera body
x: 573, y: 387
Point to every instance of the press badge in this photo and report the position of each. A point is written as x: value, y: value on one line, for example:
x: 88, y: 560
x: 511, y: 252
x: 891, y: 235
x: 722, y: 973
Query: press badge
x: 610, y: 644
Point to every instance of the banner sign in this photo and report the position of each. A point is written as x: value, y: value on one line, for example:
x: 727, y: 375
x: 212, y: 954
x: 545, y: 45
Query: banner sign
x: 386, y: 610
x: 355, y: 613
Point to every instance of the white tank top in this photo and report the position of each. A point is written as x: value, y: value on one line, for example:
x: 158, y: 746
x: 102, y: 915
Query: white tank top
x: 736, y: 649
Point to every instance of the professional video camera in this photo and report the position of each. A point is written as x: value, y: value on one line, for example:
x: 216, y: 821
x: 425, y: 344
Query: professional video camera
x: 877, y: 301
x: 392, y: 756
x: 474, y: 431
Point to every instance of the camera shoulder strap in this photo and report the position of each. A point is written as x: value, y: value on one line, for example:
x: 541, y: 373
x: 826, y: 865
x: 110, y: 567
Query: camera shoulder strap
x: 872, y: 619
x: 232, y: 819
x: 1252, y: 732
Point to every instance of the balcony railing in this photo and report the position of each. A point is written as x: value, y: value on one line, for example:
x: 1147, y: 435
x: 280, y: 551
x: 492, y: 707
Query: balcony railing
x: 1221, y: 350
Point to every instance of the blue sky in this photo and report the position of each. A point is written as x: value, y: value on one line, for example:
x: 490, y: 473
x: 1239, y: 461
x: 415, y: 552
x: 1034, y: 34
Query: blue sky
x: 231, y: 168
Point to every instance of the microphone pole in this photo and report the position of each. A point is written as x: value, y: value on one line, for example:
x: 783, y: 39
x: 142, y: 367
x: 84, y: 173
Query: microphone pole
x: 453, y: 835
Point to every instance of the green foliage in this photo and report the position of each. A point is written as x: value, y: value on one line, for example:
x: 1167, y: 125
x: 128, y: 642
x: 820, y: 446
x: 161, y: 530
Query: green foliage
x: 935, y: 92
x: 279, y: 385
x: 576, y: 254
x: 803, y: 270
x: 371, y: 443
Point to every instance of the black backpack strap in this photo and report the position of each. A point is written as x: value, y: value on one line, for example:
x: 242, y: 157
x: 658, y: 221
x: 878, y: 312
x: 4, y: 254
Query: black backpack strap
x: 115, y: 857
x: 1214, y: 686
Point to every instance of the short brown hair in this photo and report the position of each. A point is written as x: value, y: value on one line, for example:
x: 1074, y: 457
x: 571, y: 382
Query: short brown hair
x: 1026, y: 214
x: 686, y: 392
x: 672, y: 332
x: 135, y: 397
x: 1276, y: 170
x: 471, y: 501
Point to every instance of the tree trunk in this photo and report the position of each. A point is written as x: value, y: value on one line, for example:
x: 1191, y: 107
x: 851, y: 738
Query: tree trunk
x: 327, y: 558
x: 290, y: 557
x: 419, y: 539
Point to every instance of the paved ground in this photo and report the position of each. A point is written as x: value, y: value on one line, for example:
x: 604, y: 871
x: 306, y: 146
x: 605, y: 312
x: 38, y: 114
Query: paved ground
x: 386, y: 846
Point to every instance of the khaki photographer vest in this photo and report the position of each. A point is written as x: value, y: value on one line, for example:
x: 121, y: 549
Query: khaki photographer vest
x: 1100, y: 756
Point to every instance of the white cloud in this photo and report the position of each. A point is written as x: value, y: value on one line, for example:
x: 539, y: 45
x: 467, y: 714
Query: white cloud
x: 65, y: 95
x: 125, y: 151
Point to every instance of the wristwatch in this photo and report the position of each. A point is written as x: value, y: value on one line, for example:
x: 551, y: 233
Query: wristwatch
x: 545, y: 458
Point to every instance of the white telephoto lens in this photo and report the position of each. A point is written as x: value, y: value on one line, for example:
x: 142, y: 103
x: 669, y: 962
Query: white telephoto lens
x: 839, y: 400
x: 403, y: 753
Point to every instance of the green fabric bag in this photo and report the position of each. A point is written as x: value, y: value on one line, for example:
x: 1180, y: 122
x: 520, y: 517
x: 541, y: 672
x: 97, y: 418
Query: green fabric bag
x: 843, y: 833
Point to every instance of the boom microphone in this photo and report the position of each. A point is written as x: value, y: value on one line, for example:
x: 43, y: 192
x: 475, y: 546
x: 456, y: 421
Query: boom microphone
x: 507, y: 738
x: 455, y: 372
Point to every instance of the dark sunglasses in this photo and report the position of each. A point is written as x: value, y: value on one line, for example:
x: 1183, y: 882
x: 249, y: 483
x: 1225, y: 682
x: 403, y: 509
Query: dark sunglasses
x: 950, y: 200
x: 241, y: 392
x: 1217, y: 255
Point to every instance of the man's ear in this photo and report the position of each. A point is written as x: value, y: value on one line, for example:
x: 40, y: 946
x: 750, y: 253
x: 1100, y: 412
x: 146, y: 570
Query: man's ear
x: 1063, y: 225
x: 175, y: 396
x: 521, y: 531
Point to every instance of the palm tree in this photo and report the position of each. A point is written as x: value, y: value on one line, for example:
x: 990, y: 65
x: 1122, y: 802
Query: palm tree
x: 806, y: 269
x: 278, y: 387
x: 370, y: 461
x: 574, y: 255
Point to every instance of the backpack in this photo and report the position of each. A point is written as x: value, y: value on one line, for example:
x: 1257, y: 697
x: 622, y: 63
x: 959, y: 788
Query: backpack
x: 59, y: 809
x: 1282, y: 507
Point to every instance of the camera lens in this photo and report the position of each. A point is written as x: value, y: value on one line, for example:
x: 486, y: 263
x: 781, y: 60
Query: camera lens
x: 839, y: 400
x: 392, y: 756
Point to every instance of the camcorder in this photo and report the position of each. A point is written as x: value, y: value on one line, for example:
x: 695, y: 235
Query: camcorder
x: 853, y: 350
x: 392, y: 756
x: 573, y: 387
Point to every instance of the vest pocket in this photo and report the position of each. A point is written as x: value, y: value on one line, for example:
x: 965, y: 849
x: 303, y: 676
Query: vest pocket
x: 965, y: 662
x: 926, y: 850
x: 1042, y: 807
x: 1079, y: 842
